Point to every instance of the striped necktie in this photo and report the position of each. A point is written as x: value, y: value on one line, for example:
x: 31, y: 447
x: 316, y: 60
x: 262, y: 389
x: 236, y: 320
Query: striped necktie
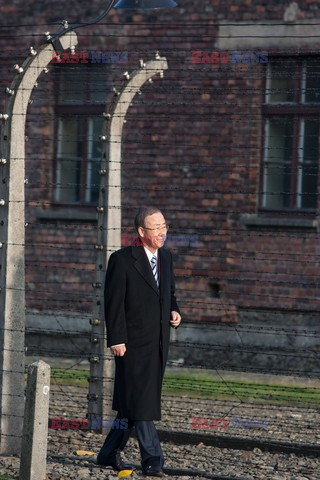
x: 154, y: 269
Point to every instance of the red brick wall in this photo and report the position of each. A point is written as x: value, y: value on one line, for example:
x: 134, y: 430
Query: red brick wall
x: 195, y: 140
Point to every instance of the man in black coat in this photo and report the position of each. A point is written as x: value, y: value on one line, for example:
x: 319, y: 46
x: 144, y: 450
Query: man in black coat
x: 140, y: 307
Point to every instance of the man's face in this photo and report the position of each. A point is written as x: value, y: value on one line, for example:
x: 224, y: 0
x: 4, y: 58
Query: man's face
x: 154, y: 232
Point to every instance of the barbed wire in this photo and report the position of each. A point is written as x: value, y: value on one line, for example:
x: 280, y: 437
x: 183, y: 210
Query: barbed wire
x: 211, y: 388
x: 164, y: 36
x: 172, y: 24
x: 137, y: 164
x: 172, y: 188
x: 244, y: 327
x: 248, y: 278
x: 302, y: 283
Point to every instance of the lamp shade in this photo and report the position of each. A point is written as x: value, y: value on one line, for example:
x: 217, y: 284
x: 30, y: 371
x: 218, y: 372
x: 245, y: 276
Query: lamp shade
x: 145, y: 4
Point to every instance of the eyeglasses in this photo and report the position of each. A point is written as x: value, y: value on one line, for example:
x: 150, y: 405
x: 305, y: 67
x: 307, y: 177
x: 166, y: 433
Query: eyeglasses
x: 162, y: 228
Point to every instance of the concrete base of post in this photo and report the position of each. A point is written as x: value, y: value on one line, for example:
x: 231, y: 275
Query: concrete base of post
x: 35, y: 426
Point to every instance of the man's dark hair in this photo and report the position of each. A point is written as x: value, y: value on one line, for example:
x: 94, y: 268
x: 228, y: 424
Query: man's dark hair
x: 144, y: 212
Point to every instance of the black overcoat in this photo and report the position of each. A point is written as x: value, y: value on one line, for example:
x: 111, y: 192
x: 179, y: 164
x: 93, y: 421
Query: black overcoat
x: 138, y: 315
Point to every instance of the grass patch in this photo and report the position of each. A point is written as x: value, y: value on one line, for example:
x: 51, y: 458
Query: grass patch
x: 253, y: 392
x: 196, y: 386
x: 72, y: 377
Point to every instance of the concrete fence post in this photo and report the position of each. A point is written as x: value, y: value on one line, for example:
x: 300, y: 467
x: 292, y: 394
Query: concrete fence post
x: 12, y: 242
x: 109, y: 233
x: 35, y: 425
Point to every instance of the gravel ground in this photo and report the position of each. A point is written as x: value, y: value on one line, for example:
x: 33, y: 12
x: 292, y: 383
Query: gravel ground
x: 298, y: 425
x: 294, y: 424
x: 213, y: 461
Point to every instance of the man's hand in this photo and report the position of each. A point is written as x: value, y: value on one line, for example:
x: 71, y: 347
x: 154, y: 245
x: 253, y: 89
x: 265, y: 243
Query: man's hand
x: 118, y: 350
x: 175, y: 319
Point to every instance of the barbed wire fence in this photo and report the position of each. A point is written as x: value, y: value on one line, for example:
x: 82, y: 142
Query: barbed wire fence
x: 237, y: 284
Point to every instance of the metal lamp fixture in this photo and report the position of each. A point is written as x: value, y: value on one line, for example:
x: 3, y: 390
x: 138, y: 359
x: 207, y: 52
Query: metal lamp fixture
x: 129, y: 4
x: 145, y: 4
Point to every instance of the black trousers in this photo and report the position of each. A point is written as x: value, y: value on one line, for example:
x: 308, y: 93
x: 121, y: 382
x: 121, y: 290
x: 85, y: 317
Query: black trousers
x: 149, y: 443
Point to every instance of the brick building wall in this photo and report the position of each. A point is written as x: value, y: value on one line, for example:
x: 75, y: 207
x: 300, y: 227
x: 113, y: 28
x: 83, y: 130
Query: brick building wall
x: 192, y: 145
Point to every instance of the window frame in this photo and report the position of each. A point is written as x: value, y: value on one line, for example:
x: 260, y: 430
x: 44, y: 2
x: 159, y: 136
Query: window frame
x: 298, y: 111
x: 65, y: 110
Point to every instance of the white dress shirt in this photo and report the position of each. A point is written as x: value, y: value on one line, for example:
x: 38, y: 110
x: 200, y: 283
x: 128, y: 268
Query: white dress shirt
x: 150, y: 254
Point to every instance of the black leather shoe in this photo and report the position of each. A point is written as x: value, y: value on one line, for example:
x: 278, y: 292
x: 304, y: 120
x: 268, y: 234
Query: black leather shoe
x: 116, y: 463
x: 153, y: 471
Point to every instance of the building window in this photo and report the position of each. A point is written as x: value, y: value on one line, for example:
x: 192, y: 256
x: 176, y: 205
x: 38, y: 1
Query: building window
x: 80, y: 102
x: 291, y: 134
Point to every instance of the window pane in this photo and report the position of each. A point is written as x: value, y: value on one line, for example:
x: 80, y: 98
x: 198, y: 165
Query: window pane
x: 281, y: 81
x: 69, y: 188
x: 79, y: 144
x: 312, y: 81
x: 277, y: 170
x: 72, y: 84
x: 98, y: 83
x: 69, y: 136
x: 308, y: 163
x: 69, y: 159
x: 94, y: 157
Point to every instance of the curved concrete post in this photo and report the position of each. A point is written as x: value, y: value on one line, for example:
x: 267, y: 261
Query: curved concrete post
x: 12, y: 238
x: 109, y: 232
x: 137, y: 80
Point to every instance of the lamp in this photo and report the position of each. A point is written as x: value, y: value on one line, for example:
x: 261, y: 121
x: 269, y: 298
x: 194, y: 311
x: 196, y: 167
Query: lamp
x: 129, y: 4
x: 145, y: 4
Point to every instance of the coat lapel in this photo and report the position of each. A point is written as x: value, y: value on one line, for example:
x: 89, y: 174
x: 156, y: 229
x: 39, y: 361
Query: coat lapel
x: 142, y: 265
x: 164, y: 268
